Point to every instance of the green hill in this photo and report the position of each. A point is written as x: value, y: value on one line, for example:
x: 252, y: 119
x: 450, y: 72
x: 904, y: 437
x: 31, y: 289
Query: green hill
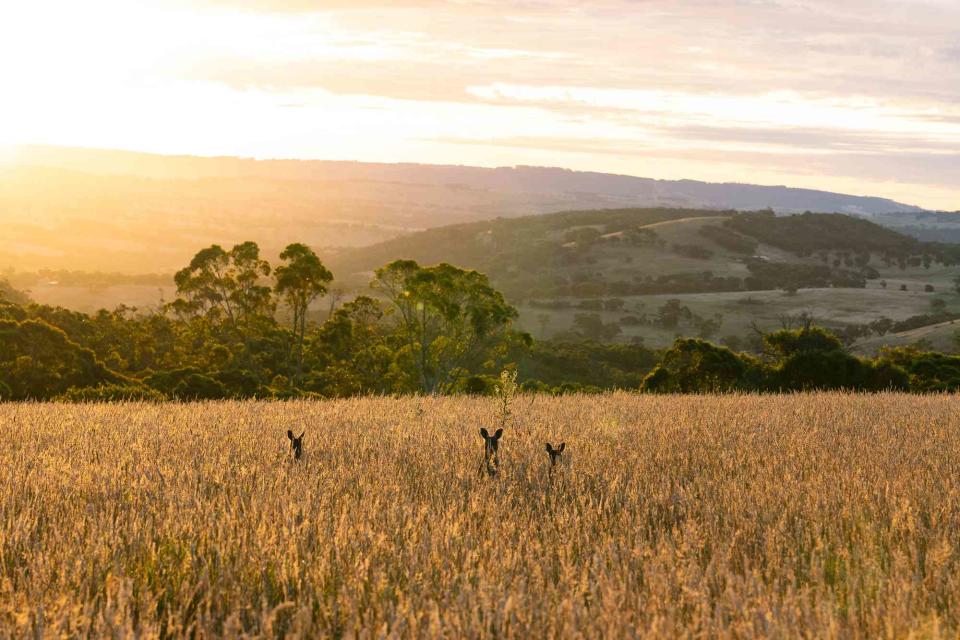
x: 654, y: 274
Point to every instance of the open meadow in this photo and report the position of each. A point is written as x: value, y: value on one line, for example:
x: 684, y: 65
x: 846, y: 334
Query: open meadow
x: 822, y: 515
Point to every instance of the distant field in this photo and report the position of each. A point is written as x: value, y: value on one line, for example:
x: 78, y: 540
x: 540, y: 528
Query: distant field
x: 741, y: 308
x: 940, y: 337
x: 825, y: 515
x: 92, y: 299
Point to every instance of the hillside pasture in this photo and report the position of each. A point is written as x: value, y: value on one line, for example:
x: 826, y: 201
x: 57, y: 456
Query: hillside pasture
x: 940, y: 337
x: 824, y: 515
x: 740, y: 309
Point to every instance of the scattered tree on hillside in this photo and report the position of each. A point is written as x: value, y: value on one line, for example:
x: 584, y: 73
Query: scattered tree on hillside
x: 590, y: 326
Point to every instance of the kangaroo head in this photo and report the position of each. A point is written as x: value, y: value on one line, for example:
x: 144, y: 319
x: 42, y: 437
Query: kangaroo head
x: 491, y: 443
x: 490, y: 446
x: 555, y: 453
x: 296, y: 443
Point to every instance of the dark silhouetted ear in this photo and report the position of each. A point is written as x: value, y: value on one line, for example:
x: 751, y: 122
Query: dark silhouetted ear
x: 549, y: 448
x: 483, y: 432
x: 497, y: 435
x: 301, y: 435
x: 290, y: 434
x: 562, y: 445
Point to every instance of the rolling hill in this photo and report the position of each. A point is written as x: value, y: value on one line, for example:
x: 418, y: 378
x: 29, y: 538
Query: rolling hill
x: 653, y: 274
x: 141, y: 213
x: 546, y: 186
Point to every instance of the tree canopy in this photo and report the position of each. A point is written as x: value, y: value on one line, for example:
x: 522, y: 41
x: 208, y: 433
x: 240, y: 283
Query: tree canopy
x: 421, y: 329
x: 447, y: 320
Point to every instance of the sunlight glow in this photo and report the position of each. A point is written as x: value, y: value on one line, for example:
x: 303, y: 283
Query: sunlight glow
x: 224, y: 77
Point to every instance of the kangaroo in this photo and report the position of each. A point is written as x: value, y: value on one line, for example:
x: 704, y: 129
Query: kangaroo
x: 555, y: 454
x: 296, y: 444
x: 490, y: 457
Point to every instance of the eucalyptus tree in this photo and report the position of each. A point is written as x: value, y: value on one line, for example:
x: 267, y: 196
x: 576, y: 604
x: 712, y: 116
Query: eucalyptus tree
x: 447, y: 321
x: 227, y: 289
x: 299, y: 281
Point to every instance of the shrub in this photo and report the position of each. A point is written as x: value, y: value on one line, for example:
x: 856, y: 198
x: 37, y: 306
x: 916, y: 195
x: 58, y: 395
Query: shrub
x: 697, y: 366
x: 534, y: 386
x: 928, y: 371
x: 885, y: 376
x: 787, y: 342
x: 240, y: 383
x: 197, y: 386
x: 479, y: 385
x: 821, y: 370
x: 166, y: 381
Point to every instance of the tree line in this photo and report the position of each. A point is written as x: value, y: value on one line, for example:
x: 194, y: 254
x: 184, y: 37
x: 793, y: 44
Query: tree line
x: 240, y: 327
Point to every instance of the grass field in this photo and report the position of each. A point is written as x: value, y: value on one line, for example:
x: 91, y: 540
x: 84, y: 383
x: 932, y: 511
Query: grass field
x: 824, y: 515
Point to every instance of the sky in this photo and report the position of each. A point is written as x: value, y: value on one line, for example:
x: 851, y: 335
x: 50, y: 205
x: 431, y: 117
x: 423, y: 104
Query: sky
x: 858, y: 96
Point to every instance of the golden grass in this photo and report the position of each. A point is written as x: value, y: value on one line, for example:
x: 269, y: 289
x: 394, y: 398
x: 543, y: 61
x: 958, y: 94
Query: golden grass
x: 823, y: 515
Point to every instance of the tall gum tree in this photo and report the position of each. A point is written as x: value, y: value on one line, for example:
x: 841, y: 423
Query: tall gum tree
x: 299, y: 281
x: 226, y: 287
x: 448, y: 321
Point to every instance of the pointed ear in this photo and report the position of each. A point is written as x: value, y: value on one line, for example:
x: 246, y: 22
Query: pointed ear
x: 301, y: 435
x: 549, y: 448
x: 562, y: 445
x: 290, y: 434
x: 483, y: 432
x: 497, y: 435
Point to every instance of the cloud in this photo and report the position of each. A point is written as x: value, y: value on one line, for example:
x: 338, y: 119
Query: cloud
x: 813, y: 139
x: 313, y: 6
x: 853, y: 87
x: 856, y: 47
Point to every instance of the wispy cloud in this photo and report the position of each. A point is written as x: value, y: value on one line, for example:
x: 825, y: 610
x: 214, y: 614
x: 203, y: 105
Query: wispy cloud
x: 794, y: 90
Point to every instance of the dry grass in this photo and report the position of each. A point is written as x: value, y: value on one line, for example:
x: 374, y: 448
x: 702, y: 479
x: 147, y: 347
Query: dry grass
x: 807, y: 516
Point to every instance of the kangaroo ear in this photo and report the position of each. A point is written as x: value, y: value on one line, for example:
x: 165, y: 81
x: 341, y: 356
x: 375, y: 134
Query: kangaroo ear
x: 497, y: 435
x: 483, y: 432
x: 549, y: 448
x: 562, y: 445
x: 301, y: 435
x: 290, y: 434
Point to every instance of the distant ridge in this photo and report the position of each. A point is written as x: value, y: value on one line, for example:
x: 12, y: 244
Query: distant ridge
x: 540, y: 189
